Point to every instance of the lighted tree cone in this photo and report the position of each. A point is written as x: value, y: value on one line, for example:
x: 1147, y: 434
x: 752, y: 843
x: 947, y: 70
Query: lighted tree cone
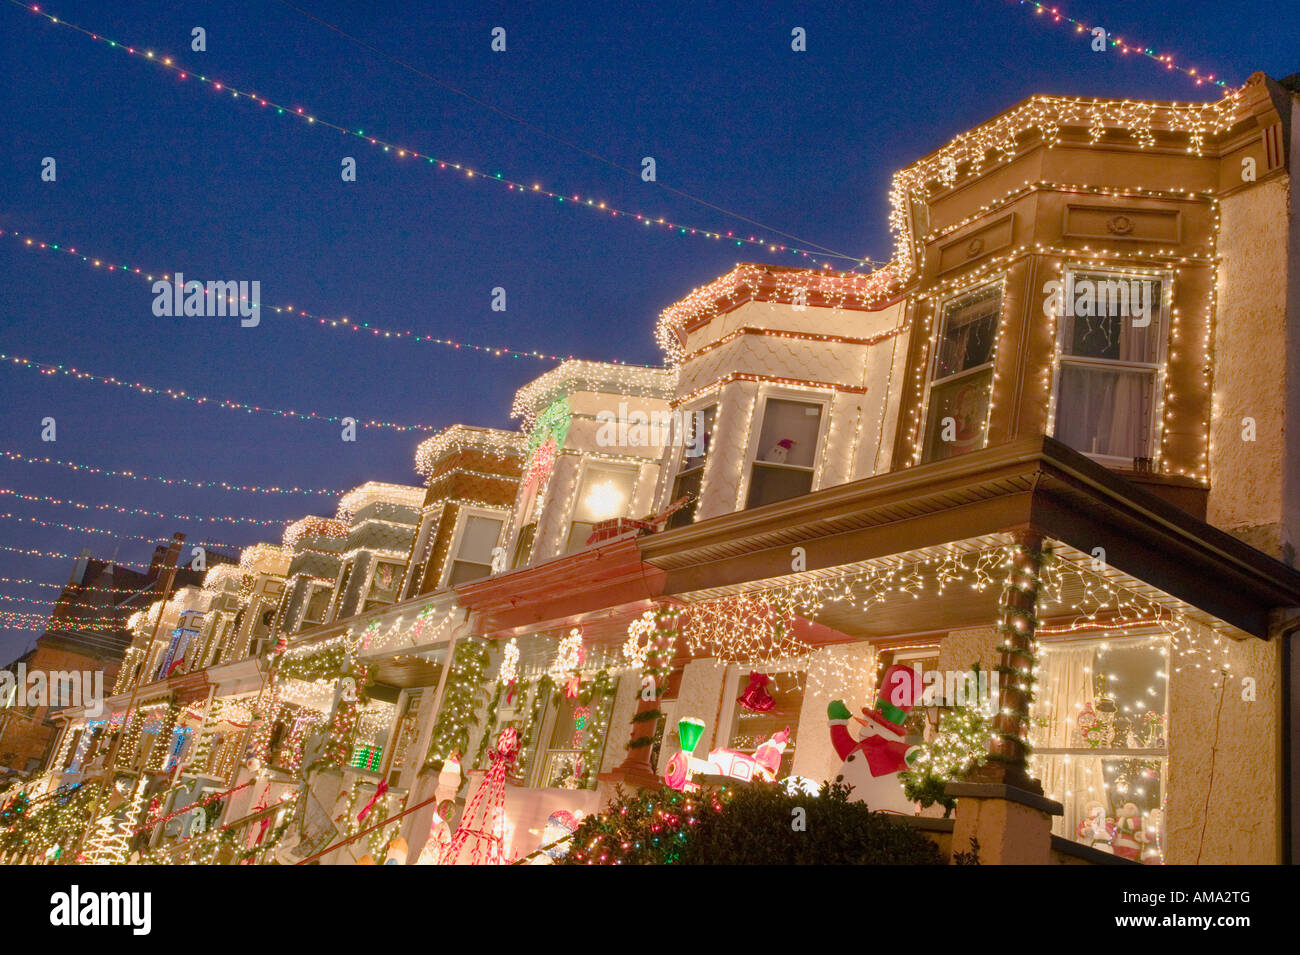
x: 480, y: 838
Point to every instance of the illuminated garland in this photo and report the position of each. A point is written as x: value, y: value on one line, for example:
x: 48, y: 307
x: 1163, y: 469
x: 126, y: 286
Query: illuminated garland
x: 181, y: 394
x: 401, y: 152
x: 1164, y: 59
x: 460, y: 700
x: 459, y: 437
x: 60, y: 555
x: 186, y: 482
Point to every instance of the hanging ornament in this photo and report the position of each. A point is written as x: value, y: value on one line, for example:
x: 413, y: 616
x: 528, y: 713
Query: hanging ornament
x: 509, y: 673
x: 756, y: 699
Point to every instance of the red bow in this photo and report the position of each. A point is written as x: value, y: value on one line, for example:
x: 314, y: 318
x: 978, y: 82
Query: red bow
x: 379, y: 793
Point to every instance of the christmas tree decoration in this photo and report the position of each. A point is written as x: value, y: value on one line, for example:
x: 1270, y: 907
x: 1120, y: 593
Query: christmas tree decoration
x: 959, y: 746
x: 462, y: 697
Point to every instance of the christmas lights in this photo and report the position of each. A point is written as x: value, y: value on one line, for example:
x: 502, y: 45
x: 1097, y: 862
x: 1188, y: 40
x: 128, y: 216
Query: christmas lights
x: 398, y: 152
x: 180, y: 394
x: 185, y: 482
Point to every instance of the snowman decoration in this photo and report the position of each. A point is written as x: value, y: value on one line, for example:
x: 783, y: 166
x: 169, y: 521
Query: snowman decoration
x: 874, y: 760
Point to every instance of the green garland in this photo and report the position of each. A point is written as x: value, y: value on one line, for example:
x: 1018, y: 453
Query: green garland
x: 461, y: 698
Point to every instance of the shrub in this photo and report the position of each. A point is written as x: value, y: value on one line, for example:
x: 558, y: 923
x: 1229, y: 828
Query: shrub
x: 755, y: 825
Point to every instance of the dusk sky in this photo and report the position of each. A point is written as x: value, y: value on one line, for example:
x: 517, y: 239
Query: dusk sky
x: 169, y: 174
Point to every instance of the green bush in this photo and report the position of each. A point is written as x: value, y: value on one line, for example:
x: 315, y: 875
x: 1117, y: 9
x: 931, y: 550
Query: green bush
x: 755, y: 825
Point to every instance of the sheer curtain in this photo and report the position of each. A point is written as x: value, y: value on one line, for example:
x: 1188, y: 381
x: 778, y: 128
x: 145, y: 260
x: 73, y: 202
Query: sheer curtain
x: 1064, y: 687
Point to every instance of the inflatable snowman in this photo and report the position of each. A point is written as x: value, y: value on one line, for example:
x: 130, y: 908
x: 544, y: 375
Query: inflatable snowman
x: 873, y: 761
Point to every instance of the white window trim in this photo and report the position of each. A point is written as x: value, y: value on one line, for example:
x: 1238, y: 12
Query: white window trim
x: 462, y: 519
x: 1156, y: 427
x: 765, y: 393
x: 933, y: 361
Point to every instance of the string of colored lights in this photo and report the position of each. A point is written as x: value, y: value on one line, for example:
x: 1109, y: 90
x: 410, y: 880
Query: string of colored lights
x: 175, y: 481
x: 45, y: 368
x: 1124, y: 46
x: 559, y: 139
x: 322, y: 321
x: 401, y: 152
x: 60, y: 555
x: 81, y: 529
x: 81, y: 589
x: 118, y: 509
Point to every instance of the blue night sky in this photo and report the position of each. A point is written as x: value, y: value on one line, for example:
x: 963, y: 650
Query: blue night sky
x: 168, y: 174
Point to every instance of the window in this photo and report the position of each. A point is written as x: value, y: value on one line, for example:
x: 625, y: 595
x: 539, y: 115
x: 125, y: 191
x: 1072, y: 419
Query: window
x: 782, y: 697
x: 524, y: 545
x: 1099, y: 731
x: 478, y: 538
x: 384, y: 584
x: 606, y: 494
x: 962, y: 377
x: 698, y: 438
x: 786, y: 453
x: 1110, y: 339
x: 318, y: 604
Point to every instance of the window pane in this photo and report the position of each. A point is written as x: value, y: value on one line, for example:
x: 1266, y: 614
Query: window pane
x: 579, y: 531
x: 970, y: 328
x: 789, y: 434
x: 524, y: 545
x: 750, y: 728
x: 686, y: 485
x: 771, y: 484
x: 1113, y: 317
x: 606, y: 493
x: 463, y: 571
x: 1105, y: 411
x: 966, y: 402
x: 697, y: 437
x: 478, y: 538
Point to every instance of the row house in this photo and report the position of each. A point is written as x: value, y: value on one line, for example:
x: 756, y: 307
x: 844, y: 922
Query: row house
x: 1047, y: 442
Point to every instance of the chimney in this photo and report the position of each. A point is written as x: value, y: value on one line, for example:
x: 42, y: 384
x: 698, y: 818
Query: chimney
x: 164, y: 557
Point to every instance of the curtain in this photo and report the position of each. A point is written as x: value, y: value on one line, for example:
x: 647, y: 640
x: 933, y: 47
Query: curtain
x: 1104, y: 411
x: 1074, y: 781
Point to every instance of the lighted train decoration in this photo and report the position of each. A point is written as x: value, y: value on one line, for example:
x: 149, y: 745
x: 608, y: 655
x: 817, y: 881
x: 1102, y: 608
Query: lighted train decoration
x: 732, y: 764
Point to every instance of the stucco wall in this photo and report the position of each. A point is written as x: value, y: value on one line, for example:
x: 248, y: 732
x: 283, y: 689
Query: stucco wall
x: 1236, y: 758
x: 1250, y: 374
x: 852, y: 667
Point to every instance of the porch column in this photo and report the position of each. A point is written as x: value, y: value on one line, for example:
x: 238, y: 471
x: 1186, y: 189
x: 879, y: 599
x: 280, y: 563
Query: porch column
x: 635, y: 770
x: 1000, y: 807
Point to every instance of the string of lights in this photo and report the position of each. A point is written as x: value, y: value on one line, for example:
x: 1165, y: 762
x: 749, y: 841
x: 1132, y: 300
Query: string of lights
x: 180, y: 394
x: 398, y: 151
x: 179, y: 482
x: 118, y: 509
x: 1054, y: 15
x: 344, y: 323
x: 559, y: 139
x: 82, y: 529
x: 60, y: 555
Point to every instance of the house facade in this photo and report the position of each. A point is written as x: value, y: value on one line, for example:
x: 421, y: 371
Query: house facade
x: 1046, y: 444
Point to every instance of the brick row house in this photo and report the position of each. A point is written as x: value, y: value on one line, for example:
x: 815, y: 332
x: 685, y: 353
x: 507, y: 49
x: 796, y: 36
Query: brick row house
x: 1047, y: 442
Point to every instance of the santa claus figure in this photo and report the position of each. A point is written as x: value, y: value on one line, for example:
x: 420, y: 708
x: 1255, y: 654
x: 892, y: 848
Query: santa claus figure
x: 874, y: 759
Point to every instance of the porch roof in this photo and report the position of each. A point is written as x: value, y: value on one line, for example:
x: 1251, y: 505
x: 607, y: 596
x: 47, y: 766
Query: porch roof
x: 1036, y: 484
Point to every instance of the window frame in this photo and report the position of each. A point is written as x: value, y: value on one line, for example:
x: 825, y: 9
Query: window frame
x: 756, y: 421
x: 589, y: 463
x: 462, y: 521
x: 1155, y: 428
x: 932, y: 363
x: 700, y: 406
